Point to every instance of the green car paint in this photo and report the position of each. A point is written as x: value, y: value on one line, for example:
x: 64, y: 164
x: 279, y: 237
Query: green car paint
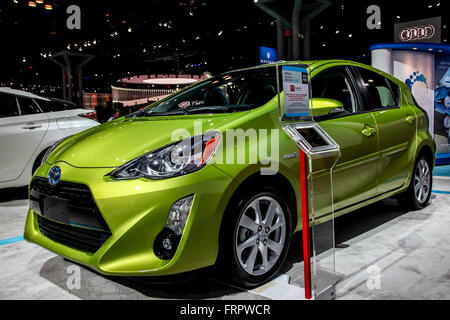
x: 378, y: 148
x: 323, y: 106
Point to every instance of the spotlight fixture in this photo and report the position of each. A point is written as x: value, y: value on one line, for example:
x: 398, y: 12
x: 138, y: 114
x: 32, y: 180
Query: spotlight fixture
x: 48, y: 7
x: 31, y: 4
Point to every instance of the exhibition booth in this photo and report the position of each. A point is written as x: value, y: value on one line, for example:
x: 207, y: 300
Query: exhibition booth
x: 425, y: 68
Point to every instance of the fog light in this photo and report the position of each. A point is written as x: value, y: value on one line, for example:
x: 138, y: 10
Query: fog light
x: 166, y: 243
x: 178, y: 215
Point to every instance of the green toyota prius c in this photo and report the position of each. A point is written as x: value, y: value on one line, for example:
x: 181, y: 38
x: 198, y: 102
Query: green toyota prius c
x: 164, y: 190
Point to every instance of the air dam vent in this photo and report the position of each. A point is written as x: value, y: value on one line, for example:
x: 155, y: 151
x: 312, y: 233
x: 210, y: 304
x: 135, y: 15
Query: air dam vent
x: 67, y: 214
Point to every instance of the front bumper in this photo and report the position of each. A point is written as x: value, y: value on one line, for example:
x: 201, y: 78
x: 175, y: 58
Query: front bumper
x: 136, y: 212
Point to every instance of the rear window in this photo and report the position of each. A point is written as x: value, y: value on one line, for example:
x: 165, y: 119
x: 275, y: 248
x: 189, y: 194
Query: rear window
x: 28, y: 106
x: 52, y: 106
x: 8, y: 106
x: 380, y: 89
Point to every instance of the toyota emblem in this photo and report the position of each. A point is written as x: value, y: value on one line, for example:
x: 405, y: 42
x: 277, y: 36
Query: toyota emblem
x: 54, y: 175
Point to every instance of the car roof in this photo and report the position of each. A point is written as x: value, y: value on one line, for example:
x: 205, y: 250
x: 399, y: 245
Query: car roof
x: 311, y: 64
x: 21, y: 93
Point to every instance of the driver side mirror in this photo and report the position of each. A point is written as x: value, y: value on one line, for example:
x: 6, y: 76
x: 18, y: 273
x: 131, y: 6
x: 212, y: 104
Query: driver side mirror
x: 325, y: 106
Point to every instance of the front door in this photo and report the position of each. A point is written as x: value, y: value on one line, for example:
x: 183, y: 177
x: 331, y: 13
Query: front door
x: 354, y: 177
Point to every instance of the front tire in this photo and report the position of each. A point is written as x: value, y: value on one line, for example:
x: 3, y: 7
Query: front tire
x: 418, y: 194
x: 256, y: 238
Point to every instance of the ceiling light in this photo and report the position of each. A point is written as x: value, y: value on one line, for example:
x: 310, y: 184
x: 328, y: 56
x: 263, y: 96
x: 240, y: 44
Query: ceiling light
x: 48, y: 7
x: 31, y: 4
x: 39, y: 1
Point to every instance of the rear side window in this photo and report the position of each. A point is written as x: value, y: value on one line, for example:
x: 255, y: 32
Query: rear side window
x: 28, y: 106
x: 8, y: 106
x: 396, y: 92
x: 380, y: 90
x: 52, y: 106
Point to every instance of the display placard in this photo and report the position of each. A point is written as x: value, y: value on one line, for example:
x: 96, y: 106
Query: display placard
x: 311, y: 138
x: 296, y: 91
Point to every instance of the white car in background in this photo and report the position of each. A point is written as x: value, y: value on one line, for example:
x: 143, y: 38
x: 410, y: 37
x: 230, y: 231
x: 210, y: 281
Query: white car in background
x: 29, y: 126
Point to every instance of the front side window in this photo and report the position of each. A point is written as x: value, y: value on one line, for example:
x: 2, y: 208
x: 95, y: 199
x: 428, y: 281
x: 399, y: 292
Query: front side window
x: 28, y: 106
x: 8, y: 106
x: 229, y: 92
x: 334, y: 84
x: 379, y: 89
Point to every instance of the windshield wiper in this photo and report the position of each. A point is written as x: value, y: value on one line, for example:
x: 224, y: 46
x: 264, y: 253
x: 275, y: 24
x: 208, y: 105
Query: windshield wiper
x: 194, y: 110
x: 149, y: 113
x: 219, y: 109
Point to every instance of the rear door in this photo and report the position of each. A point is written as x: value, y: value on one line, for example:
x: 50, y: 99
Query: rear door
x: 396, y: 128
x: 354, y: 177
x: 21, y: 132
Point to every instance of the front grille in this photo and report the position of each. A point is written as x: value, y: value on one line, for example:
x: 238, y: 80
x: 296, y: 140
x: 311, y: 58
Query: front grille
x: 67, y: 214
x: 76, y: 237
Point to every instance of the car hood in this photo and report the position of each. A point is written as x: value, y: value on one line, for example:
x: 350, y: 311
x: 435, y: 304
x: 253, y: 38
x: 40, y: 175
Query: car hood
x: 115, y: 143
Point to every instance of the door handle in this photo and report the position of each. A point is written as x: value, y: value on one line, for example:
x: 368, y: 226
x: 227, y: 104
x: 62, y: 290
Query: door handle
x: 31, y: 125
x: 410, y: 119
x: 368, y: 131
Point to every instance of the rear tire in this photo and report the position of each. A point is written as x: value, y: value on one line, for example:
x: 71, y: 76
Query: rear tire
x: 418, y: 194
x: 255, y: 237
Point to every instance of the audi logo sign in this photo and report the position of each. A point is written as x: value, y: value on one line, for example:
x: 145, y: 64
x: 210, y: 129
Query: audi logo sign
x: 417, y: 33
x: 426, y: 30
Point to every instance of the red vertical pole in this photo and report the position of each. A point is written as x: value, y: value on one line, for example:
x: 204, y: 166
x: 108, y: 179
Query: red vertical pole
x: 305, y: 224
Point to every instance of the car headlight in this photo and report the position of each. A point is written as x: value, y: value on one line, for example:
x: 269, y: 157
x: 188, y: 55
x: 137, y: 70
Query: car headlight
x: 52, y: 148
x: 176, y: 159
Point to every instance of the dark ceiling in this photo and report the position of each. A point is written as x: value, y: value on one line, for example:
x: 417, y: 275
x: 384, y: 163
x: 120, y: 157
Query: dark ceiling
x: 187, y: 36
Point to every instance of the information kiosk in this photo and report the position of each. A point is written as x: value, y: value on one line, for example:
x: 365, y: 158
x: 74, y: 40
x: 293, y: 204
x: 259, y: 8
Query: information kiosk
x: 318, y: 156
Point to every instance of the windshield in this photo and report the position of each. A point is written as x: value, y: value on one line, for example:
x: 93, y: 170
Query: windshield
x: 229, y: 92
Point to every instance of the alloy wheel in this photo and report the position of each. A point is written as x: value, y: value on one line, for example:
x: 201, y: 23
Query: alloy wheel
x: 422, y: 181
x: 260, y: 235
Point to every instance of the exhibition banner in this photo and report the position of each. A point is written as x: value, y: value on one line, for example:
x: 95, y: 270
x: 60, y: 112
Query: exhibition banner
x: 267, y: 55
x: 442, y: 108
x: 416, y: 69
